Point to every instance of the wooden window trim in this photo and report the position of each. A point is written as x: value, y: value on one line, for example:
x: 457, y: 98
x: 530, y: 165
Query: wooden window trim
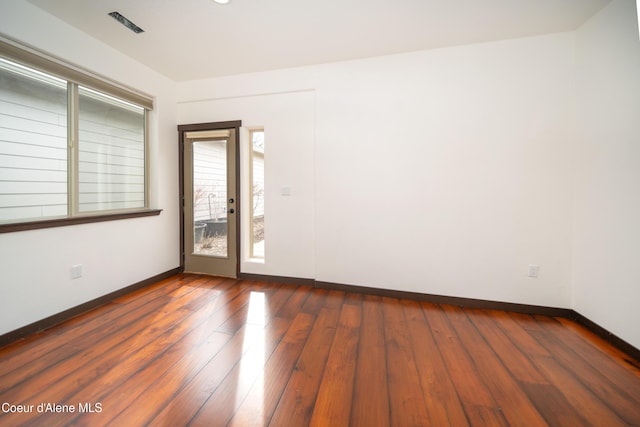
x: 75, y: 220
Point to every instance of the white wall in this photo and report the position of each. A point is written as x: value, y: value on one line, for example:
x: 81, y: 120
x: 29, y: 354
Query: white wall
x: 439, y: 172
x: 445, y: 171
x: 606, y: 256
x: 36, y: 264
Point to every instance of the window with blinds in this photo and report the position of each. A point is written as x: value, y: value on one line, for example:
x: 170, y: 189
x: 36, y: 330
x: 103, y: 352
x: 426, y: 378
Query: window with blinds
x: 67, y: 149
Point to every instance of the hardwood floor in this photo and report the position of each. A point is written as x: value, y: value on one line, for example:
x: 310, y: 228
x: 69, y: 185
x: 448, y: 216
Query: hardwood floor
x: 207, y: 351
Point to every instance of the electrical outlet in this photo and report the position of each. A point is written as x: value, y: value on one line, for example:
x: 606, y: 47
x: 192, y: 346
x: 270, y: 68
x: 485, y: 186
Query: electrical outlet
x: 76, y: 271
x: 534, y: 271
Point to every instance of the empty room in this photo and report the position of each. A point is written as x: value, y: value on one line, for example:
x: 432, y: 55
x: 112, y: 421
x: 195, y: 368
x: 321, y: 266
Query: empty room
x: 292, y: 213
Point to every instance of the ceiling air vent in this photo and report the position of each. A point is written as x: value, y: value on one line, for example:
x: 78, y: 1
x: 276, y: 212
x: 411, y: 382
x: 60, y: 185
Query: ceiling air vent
x: 124, y: 21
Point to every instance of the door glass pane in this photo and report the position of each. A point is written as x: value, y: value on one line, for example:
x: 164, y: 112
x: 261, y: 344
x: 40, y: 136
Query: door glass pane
x: 210, y: 198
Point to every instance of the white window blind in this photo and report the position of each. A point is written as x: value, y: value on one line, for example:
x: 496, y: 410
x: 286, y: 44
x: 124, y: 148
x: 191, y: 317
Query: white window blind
x: 111, y: 153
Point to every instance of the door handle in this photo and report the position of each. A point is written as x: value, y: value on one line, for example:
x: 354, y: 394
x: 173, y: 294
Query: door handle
x: 231, y: 200
x: 231, y: 210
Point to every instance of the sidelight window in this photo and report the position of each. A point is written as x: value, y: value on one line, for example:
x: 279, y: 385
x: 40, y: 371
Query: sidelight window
x: 258, y: 192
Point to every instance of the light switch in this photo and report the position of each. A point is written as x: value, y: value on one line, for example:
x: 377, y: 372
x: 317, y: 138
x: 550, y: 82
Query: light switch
x: 285, y: 191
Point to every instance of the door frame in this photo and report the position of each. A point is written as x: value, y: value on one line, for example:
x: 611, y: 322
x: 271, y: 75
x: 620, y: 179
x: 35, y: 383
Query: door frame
x: 182, y: 129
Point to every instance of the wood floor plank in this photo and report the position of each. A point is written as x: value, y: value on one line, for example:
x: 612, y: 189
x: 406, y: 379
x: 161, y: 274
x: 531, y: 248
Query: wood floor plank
x: 182, y: 401
x: 141, y: 397
x: 212, y: 351
x: 295, y: 303
x: 26, y: 351
x: 518, y: 364
x: 333, y: 403
x: 554, y: 406
x: 240, y: 316
x: 128, y: 302
x: 406, y: 402
x: 354, y: 298
x: 315, y: 301
x: 583, y: 400
x: 232, y: 391
x: 441, y: 398
x: 560, y: 389
x: 40, y: 375
x: 479, y: 405
x: 606, y: 359
x: 50, y: 378
x: 176, y: 400
x: 622, y: 398
x: 371, y: 392
x: 525, y: 321
x: 182, y: 406
x: 258, y: 406
x: 517, y: 328
x: 124, y: 352
x: 176, y: 282
x: 192, y: 344
x: 516, y: 407
x: 228, y: 288
x: 298, y: 399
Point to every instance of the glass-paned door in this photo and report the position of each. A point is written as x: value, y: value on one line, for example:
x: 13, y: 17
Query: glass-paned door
x: 210, y: 210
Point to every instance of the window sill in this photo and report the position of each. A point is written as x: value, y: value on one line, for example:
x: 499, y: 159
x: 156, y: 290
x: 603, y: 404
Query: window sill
x: 62, y: 222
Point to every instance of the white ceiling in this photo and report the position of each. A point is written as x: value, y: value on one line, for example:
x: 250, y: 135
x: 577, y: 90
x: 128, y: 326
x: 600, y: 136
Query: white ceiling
x: 194, y: 39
